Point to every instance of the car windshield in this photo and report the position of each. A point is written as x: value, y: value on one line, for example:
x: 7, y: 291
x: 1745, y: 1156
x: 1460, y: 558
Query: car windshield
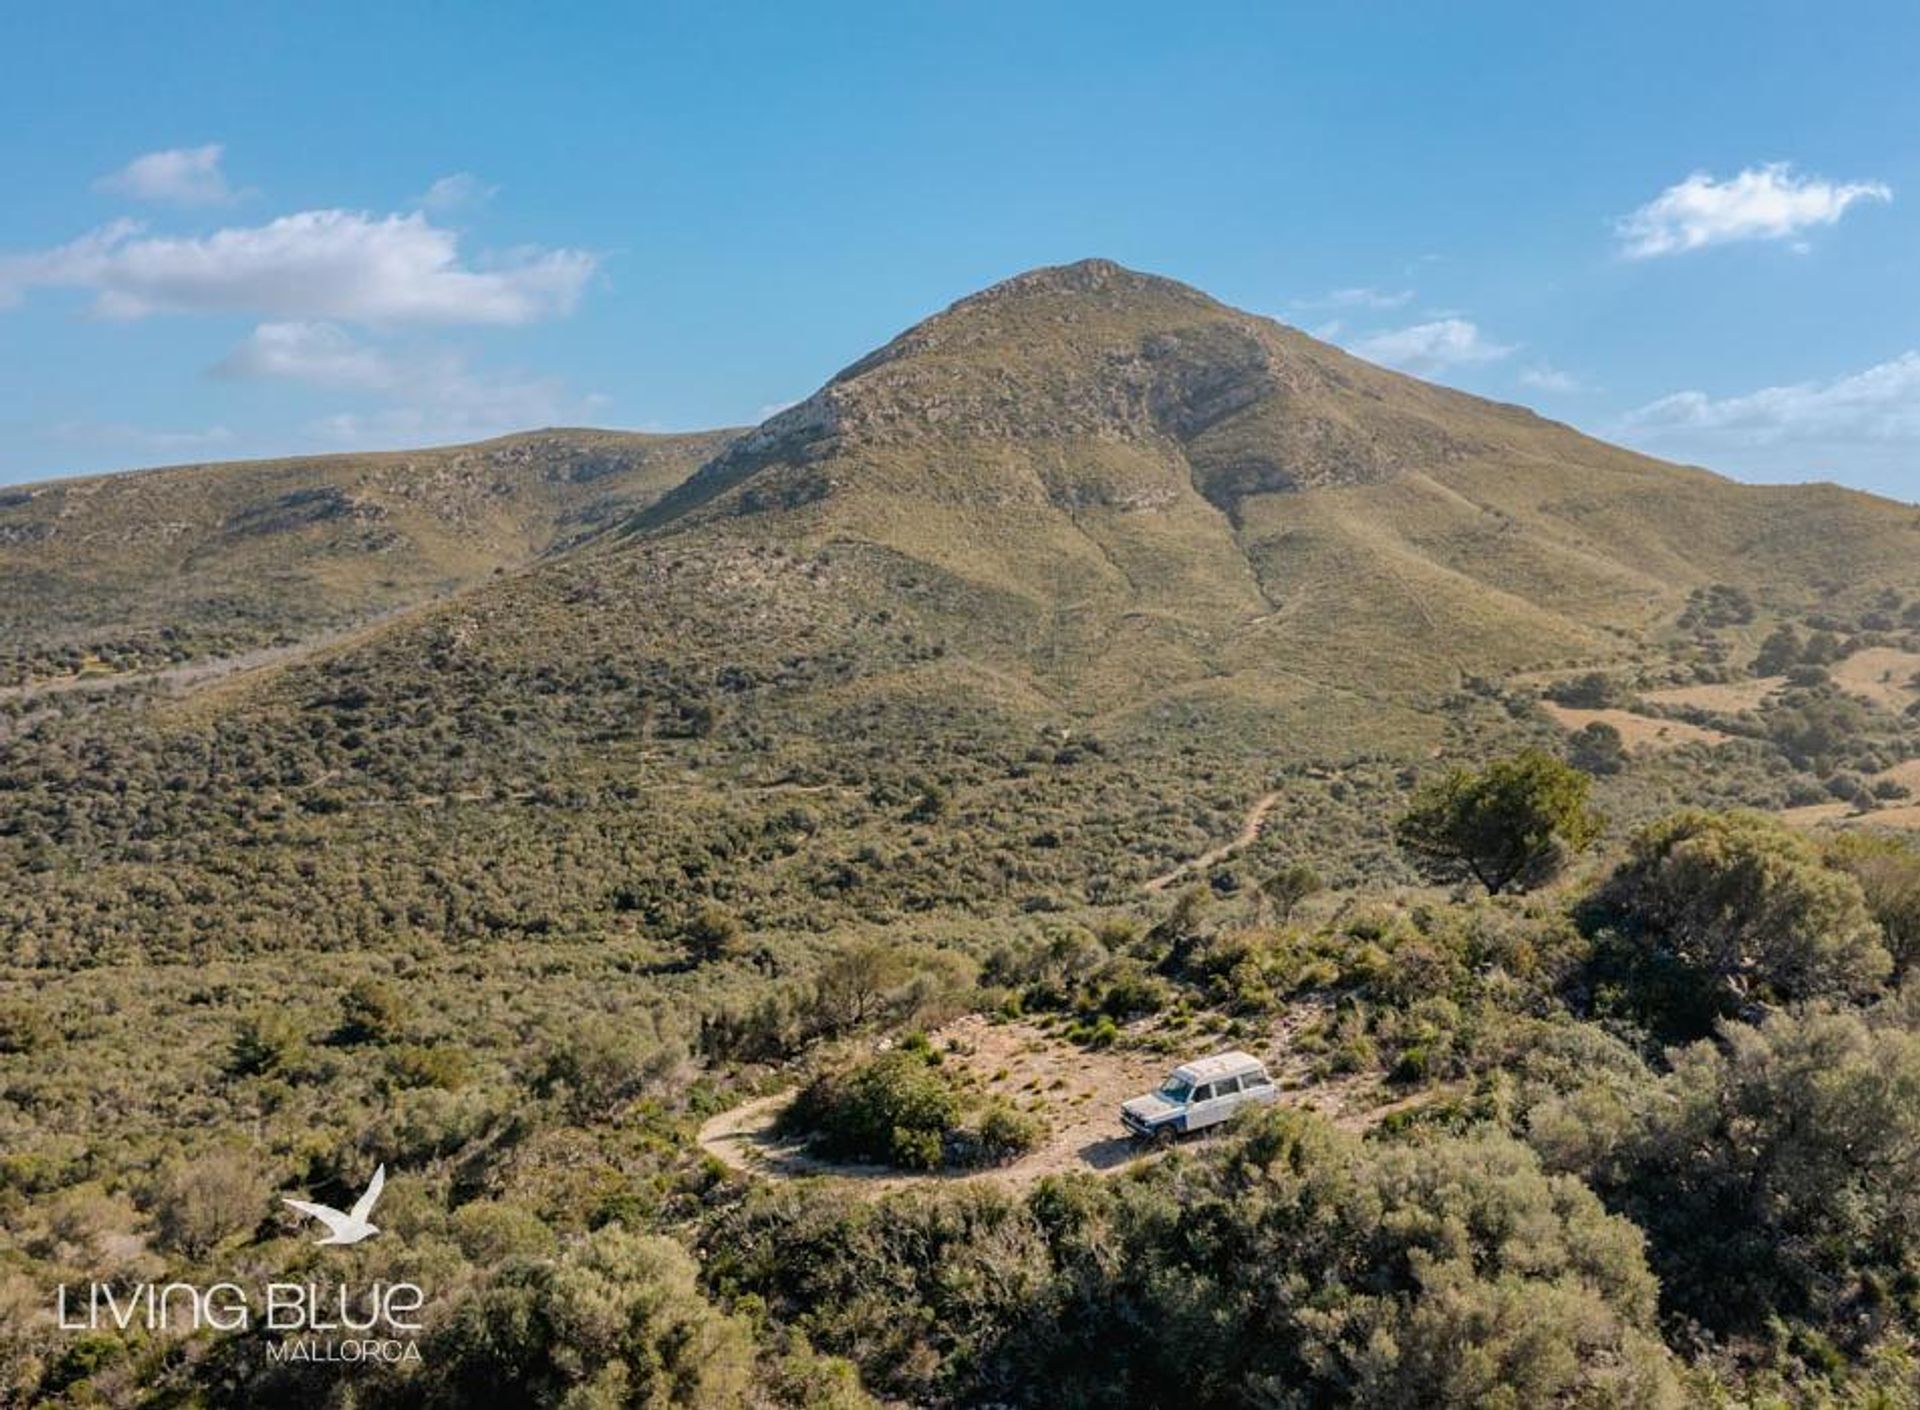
x: 1175, y: 1090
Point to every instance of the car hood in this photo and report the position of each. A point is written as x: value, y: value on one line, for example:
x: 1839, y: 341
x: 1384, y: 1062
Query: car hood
x: 1150, y: 1108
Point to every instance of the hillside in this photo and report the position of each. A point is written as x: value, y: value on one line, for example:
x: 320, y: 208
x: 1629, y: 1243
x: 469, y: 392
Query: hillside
x: 980, y: 700
x: 1023, y: 609
x: 122, y: 571
x: 1131, y: 492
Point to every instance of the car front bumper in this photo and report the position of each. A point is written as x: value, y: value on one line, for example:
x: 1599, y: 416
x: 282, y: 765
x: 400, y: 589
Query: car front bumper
x: 1144, y: 1129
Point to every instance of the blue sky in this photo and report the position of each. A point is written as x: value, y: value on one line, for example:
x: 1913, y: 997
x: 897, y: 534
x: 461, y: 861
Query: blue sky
x: 265, y: 229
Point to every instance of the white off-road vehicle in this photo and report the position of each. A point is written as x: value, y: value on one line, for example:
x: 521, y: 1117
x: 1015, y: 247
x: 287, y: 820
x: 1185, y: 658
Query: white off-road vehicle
x: 1198, y: 1095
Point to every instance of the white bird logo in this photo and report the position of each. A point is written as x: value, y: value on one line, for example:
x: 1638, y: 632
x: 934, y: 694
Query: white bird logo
x: 353, y: 1226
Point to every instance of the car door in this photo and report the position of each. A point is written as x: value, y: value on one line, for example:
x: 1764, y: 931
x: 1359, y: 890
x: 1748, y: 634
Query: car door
x: 1256, y: 1088
x: 1216, y: 1106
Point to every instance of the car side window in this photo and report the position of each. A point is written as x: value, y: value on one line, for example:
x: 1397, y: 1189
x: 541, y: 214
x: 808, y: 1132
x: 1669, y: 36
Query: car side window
x: 1226, y: 1087
x: 1201, y: 1094
x: 1255, y: 1080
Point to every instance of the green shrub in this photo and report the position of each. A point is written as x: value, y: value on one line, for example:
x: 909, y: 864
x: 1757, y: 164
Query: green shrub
x: 444, y: 1066
x: 198, y: 1204
x: 1773, y: 1167
x: 373, y: 1011
x: 24, y: 1028
x: 1745, y: 908
x: 895, y: 1108
x: 618, y: 1319
x: 1412, y: 1065
x: 490, y: 1232
x: 1006, y: 1133
x: 266, y: 1043
x: 1102, y: 1032
x: 916, y: 1148
x: 1127, y: 990
x: 710, y: 934
x: 597, y: 1066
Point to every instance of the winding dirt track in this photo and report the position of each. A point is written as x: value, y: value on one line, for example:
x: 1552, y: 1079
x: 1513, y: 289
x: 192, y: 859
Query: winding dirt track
x: 1076, y: 1091
x: 1079, y: 1093
x: 1249, y: 834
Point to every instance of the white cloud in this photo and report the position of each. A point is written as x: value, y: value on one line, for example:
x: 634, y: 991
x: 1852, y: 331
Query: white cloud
x: 419, y: 395
x: 1362, y: 298
x: 1762, y: 203
x: 183, y: 176
x: 1878, y: 406
x: 323, y: 264
x: 1549, y: 379
x: 461, y: 190
x: 1446, y: 342
x: 323, y: 354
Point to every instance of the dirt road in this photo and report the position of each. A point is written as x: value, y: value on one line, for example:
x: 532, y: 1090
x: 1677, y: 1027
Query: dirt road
x: 1077, y: 1092
x: 1256, y: 819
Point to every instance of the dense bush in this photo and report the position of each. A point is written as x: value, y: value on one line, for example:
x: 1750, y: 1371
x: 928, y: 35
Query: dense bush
x: 1888, y: 870
x: 1774, y: 1169
x: 1293, y: 1265
x: 1746, y: 910
x: 1598, y: 749
x: 1002, y: 1132
x: 896, y: 1108
x: 617, y: 1320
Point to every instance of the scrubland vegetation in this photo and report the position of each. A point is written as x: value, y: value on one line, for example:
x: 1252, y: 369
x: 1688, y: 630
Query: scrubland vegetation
x: 1660, y: 1148
x: 888, y: 716
x: 517, y: 932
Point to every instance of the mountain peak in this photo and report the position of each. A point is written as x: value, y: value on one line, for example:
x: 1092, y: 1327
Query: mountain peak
x: 1100, y: 277
x: 1027, y: 314
x: 1064, y: 360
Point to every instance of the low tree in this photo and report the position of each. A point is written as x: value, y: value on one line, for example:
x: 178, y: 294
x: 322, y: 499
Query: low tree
x: 1780, y: 652
x: 198, y: 1204
x: 1512, y: 825
x: 373, y: 1011
x: 711, y: 933
x: 1888, y: 870
x: 596, y: 1065
x: 1748, y: 906
x: 1773, y: 1167
x: 854, y: 983
x: 1598, y: 749
x: 1288, y: 887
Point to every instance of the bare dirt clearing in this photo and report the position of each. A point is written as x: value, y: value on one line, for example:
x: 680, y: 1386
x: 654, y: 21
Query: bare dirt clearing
x: 1906, y: 817
x: 1902, y: 814
x: 1881, y: 674
x: 1637, y: 732
x: 1078, y: 1092
x: 1729, y: 698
